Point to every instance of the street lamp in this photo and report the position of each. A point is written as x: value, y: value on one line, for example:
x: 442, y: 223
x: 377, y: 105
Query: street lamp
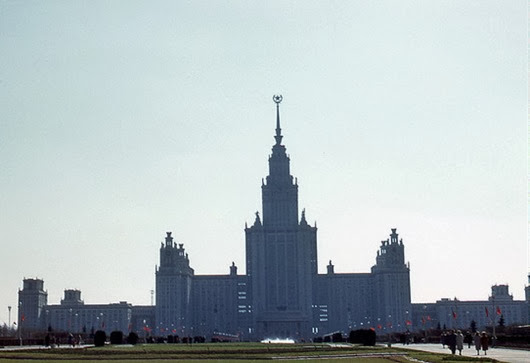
x: 390, y: 330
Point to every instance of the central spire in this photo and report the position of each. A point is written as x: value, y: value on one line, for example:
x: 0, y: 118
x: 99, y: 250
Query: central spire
x: 277, y: 99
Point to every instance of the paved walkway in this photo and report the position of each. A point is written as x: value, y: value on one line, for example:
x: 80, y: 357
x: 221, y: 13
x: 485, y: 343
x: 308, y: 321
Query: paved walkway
x: 502, y: 354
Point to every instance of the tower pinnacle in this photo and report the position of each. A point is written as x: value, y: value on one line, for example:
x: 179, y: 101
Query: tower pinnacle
x: 277, y: 99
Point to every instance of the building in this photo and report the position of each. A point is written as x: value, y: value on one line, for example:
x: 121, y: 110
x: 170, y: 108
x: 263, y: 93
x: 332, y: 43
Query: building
x: 458, y: 314
x: 282, y: 294
x: 31, y: 301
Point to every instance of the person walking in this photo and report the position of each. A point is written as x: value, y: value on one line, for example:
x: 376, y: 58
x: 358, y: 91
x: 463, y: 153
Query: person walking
x: 476, y: 340
x: 459, y: 341
x: 484, y: 342
x: 451, y: 341
x: 468, y: 339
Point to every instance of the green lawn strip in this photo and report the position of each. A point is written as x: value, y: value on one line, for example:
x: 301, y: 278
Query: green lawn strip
x: 157, y: 352
x: 148, y: 350
x: 164, y: 360
x: 181, y: 355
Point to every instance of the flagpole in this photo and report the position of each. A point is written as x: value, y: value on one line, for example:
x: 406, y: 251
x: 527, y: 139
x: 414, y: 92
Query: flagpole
x: 493, y: 338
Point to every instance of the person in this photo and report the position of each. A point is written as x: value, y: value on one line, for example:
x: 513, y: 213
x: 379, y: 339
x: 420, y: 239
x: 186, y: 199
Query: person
x: 443, y: 337
x: 468, y: 339
x: 459, y: 341
x: 484, y: 340
x: 451, y: 341
x: 476, y: 340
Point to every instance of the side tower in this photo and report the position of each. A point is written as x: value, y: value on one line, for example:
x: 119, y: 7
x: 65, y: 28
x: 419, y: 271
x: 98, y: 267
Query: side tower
x: 281, y: 254
x: 173, y: 289
x: 392, y: 285
x: 31, y: 300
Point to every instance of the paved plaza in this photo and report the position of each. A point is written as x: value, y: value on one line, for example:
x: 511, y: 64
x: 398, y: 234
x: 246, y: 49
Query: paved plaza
x: 502, y: 354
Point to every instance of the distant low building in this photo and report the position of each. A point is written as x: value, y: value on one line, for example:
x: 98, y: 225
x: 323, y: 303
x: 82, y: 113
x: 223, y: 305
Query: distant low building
x: 458, y: 314
x: 74, y: 316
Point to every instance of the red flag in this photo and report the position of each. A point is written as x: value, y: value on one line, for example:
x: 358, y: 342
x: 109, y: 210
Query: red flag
x: 174, y: 330
x: 23, y: 317
x: 146, y: 328
x: 423, y: 320
x: 499, y: 312
x: 487, y: 312
x: 428, y: 317
x: 379, y: 326
x: 408, y: 322
x: 454, y: 314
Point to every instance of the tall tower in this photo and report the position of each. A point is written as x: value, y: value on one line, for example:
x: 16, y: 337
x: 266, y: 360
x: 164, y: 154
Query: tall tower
x: 173, y: 289
x: 31, y: 300
x: 281, y: 253
x: 392, y: 284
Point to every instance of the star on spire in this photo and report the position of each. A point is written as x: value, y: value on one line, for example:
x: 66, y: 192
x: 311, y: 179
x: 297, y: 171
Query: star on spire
x: 277, y: 99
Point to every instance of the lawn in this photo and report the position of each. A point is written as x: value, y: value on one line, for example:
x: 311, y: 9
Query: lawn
x: 227, y: 352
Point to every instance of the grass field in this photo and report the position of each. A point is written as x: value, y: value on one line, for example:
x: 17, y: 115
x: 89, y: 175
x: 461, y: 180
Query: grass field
x: 229, y: 352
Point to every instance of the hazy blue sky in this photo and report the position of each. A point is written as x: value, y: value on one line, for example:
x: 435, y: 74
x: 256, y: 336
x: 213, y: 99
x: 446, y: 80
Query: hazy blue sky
x: 121, y: 120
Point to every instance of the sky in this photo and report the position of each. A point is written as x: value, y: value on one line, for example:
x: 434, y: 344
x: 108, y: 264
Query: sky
x: 121, y: 120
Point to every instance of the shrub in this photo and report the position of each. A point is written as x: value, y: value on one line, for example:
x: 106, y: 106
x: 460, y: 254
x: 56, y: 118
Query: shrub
x: 99, y: 338
x: 116, y: 337
x: 132, y: 338
x: 362, y: 336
